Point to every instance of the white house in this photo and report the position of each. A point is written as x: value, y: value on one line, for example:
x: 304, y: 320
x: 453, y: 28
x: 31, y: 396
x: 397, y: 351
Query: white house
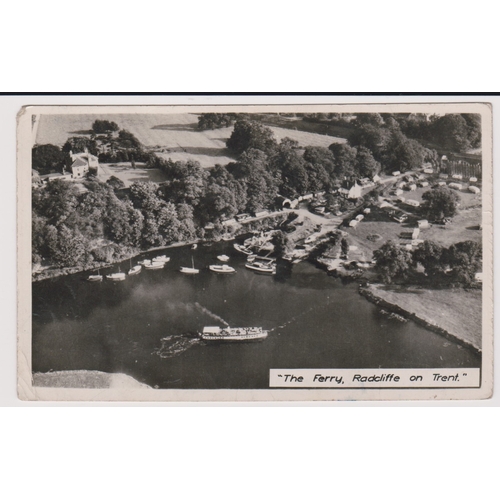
x: 351, y: 190
x: 376, y: 178
x: 396, y: 173
x: 412, y: 187
x: 413, y: 203
x: 83, y: 163
x: 359, y: 217
x: 415, y: 234
x: 424, y: 184
x: 428, y: 171
x: 423, y: 224
x: 353, y: 223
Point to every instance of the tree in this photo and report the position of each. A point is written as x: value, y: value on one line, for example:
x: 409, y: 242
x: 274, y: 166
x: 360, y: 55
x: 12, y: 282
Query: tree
x: 251, y: 134
x: 370, y: 119
x: 465, y: 260
x: 366, y: 165
x: 430, y: 255
x: 47, y: 158
x: 282, y: 243
x: 345, y: 159
x: 211, y: 121
x: 451, y: 132
x: 440, y: 203
x: 80, y: 144
x: 290, y: 168
x: 392, y: 262
x: 344, y: 247
x: 104, y: 126
x: 401, y: 153
x: 115, y: 183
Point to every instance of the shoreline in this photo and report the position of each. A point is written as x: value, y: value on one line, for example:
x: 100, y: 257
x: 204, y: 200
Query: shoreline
x: 86, y: 379
x: 369, y: 293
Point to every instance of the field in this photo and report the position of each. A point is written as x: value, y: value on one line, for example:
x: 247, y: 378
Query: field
x: 171, y: 136
x: 129, y: 175
x: 456, y: 310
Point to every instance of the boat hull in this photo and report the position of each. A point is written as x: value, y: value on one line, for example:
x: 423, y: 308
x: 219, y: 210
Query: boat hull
x: 217, y: 334
x: 156, y: 265
x: 221, y: 270
x: 95, y: 279
x: 262, y: 270
x: 189, y: 270
x: 229, y: 339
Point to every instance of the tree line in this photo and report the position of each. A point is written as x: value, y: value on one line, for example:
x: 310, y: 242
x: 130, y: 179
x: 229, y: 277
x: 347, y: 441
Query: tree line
x: 456, y: 264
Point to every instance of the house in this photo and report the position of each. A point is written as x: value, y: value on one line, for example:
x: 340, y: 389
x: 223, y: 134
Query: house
x: 412, y: 187
x: 262, y: 213
x: 474, y: 189
x: 441, y: 183
x: 423, y: 184
x: 366, y: 210
x: 83, y: 163
x: 306, y: 197
x: 351, y: 190
x: 359, y: 217
x: 50, y: 177
x: 423, y: 224
x: 415, y: 234
x: 398, y: 192
x: 478, y: 277
x: 402, y: 199
x: 413, y: 203
x: 353, y: 223
x: 376, y: 178
x: 396, y: 173
x: 428, y: 171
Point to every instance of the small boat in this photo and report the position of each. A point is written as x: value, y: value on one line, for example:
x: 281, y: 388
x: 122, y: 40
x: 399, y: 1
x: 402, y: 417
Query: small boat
x: 261, y: 267
x: 194, y: 247
x: 134, y: 270
x: 154, y: 265
x: 263, y: 260
x: 116, y: 277
x: 161, y: 258
x: 95, y: 277
x: 222, y: 258
x: 218, y: 334
x: 144, y: 262
x: 189, y: 270
x: 242, y: 249
x: 222, y: 269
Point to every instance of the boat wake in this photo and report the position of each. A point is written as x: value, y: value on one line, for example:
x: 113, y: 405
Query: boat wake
x: 298, y: 316
x: 210, y: 313
x: 174, y: 345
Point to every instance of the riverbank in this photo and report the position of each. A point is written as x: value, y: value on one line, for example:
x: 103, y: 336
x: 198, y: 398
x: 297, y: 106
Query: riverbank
x: 87, y: 379
x: 453, y: 313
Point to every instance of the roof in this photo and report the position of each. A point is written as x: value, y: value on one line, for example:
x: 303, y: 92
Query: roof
x: 349, y: 184
x: 79, y: 162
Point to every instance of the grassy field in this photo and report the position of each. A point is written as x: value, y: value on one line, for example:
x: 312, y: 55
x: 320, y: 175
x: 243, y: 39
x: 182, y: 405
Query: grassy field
x: 129, y: 175
x: 456, y: 310
x: 171, y: 136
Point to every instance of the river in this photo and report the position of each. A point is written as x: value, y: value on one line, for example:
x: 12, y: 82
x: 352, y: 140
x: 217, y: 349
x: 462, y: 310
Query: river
x: 146, y: 325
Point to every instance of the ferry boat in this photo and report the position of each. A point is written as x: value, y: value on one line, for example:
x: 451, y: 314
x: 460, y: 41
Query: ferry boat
x: 222, y: 258
x: 242, y: 249
x: 222, y: 269
x: 218, y: 334
x: 161, y: 258
x: 116, y: 277
x: 154, y: 265
x: 261, y: 267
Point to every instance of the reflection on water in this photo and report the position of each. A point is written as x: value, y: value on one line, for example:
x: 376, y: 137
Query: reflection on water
x: 146, y: 326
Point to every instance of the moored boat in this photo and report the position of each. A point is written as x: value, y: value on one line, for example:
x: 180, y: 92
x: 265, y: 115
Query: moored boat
x: 144, y: 262
x: 95, y: 277
x: 223, y: 258
x: 154, y: 265
x: 222, y: 269
x: 135, y: 270
x: 189, y: 270
x: 242, y: 249
x: 116, y: 276
x: 218, y: 334
x: 194, y: 246
x: 161, y: 258
x: 261, y: 267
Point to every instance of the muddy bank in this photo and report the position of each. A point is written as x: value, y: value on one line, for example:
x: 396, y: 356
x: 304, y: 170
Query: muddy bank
x: 87, y: 379
x: 370, y: 294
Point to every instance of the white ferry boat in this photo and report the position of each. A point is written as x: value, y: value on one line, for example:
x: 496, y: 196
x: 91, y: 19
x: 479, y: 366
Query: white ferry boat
x: 216, y: 333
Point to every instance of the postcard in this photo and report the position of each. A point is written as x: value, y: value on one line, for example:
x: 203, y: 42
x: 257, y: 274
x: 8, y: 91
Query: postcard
x: 255, y: 252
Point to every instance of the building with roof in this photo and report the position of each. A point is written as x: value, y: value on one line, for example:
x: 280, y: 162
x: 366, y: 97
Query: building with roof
x: 83, y: 163
x: 350, y: 189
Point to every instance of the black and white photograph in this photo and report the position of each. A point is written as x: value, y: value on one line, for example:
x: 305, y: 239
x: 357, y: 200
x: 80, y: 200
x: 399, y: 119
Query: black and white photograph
x: 255, y: 253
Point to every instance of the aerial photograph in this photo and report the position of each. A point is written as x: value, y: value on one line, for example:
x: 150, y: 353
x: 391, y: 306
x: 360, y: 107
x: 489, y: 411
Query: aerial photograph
x: 201, y: 250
